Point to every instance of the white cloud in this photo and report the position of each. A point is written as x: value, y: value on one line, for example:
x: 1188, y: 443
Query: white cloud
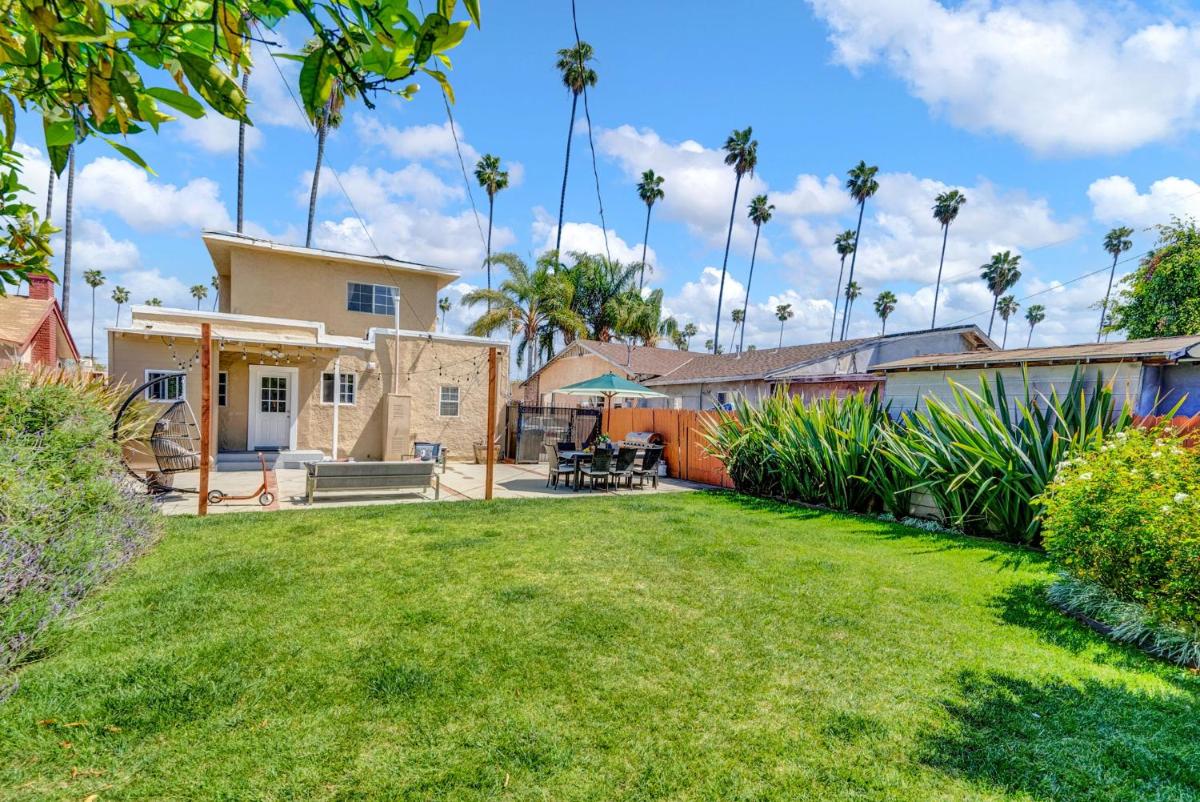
x: 416, y: 142
x: 589, y: 238
x: 217, y: 134
x: 1058, y: 77
x: 1116, y: 200
x: 270, y: 101
x: 121, y: 188
x: 94, y: 248
x: 372, y: 188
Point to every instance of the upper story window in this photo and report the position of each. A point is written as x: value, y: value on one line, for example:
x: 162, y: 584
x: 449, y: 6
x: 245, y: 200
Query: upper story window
x: 375, y: 299
x: 172, y: 389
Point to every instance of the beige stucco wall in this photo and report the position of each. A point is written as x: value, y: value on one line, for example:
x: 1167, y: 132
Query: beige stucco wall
x: 425, y: 367
x: 283, y: 285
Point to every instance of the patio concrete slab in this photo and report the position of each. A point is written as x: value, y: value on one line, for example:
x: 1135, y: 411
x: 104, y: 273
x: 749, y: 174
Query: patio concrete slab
x: 461, y: 481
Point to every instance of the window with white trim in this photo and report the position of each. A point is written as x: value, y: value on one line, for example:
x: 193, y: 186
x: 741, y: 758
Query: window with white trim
x: 173, y: 389
x: 348, y: 385
x: 448, y: 401
x: 375, y: 299
x: 222, y: 388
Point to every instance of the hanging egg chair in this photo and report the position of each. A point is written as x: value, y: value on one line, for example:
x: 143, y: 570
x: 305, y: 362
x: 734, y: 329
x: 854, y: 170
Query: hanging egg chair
x: 174, y: 442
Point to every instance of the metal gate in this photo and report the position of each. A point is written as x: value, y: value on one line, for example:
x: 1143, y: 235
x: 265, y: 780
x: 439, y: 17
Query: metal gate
x: 530, y: 428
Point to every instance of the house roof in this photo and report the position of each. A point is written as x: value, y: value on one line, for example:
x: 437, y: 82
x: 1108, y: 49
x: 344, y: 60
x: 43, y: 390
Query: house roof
x: 755, y: 364
x: 642, y: 361
x: 1157, y: 349
x: 220, y: 243
x: 21, y: 317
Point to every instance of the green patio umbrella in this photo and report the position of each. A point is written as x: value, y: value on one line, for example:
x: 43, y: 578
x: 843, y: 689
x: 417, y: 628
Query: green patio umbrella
x: 609, y: 385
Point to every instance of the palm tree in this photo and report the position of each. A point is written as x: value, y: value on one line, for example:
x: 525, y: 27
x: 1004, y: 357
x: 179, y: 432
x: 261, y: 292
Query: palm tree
x: 885, y: 304
x: 1007, y: 307
x: 845, y: 245
x: 572, y: 64
x: 528, y: 302
x: 444, y: 307
x: 199, y: 292
x: 649, y: 190
x: 760, y: 212
x: 710, y: 345
x: 120, y: 296
x: 329, y: 118
x: 596, y: 288
x: 640, y: 320
x: 216, y: 285
x: 741, y: 153
x: 784, y: 313
x: 68, y: 232
x: 1116, y: 242
x: 861, y: 185
x: 241, y: 151
x: 94, y: 279
x: 153, y: 302
x: 688, y: 332
x: 739, y: 319
x: 492, y: 179
x: 1000, y: 274
x: 1035, y: 315
x: 945, y: 210
x: 853, y: 290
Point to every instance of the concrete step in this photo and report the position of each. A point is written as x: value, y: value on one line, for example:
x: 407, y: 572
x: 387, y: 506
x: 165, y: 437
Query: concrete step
x: 248, y: 460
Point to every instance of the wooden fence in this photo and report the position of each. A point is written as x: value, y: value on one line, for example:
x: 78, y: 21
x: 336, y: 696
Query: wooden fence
x: 684, y: 442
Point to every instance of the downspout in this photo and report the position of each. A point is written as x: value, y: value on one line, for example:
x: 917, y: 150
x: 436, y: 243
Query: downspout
x: 337, y: 401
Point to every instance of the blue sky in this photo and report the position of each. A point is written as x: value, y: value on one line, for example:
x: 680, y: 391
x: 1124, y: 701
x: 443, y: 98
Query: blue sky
x: 1057, y: 121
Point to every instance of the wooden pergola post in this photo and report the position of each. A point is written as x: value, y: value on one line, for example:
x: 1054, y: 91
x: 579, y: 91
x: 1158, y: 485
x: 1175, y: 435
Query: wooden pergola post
x: 205, y: 411
x: 491, y: 424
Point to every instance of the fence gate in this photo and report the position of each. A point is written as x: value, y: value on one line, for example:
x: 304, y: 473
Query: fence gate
x: 530, y: 428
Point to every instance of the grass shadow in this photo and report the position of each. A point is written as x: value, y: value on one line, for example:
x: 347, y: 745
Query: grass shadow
x: 1067, y: 742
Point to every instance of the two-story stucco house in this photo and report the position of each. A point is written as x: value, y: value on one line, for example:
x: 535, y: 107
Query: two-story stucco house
x: 317, y: 353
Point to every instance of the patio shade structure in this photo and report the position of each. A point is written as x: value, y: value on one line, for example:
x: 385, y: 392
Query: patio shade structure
x: 610, y: 385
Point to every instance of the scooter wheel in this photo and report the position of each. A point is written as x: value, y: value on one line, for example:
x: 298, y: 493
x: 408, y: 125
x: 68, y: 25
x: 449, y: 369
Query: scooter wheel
x: 265, y: 499
x: 215, y: 497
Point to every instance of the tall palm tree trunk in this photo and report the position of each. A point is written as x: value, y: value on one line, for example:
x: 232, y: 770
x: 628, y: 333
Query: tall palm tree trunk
x: 645, y: 242
x: 118, y: 314
x: 322, y: 129
x: 749, y: 281
x: 992, y: 319
x: 725, y: 263
x: 1004, y: 342
x: 491, y: 208
x: 937, y: 289
x: 241, y: 175
x: 67, y: 233
x: 853, y: 259
x: 837, y: 298
x: 781, y: 334
x: 92, y: 336
x: 1104, y: 308
x: 883, y: 328
x: 1029, y: 338
x: 562, y: 196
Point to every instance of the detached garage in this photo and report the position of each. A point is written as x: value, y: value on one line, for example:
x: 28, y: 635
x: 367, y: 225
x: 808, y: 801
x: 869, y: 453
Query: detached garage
x: 1150, y: 375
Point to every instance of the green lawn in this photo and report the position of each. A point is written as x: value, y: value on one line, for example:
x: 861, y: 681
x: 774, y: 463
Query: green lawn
x: 682, y: 647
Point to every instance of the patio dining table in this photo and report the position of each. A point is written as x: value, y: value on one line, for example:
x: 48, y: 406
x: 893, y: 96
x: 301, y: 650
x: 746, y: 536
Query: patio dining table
x: 577, y: 458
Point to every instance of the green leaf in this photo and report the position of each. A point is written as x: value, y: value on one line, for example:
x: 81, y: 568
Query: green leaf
x: 8, y: 113
x: 59, y: 154
x: 472, y: 7
x: 178, y: 101
x: 221, y: 91
x: 131, y: 154
x: 59, y: 133
x: 315, y: 82
x: 441, y: 78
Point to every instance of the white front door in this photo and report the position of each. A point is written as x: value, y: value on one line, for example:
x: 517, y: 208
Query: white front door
x: 272, y: 407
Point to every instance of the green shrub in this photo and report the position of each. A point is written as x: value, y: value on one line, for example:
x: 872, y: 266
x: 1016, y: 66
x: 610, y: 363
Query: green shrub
x: 67, y: 515
x: 1127, y: 517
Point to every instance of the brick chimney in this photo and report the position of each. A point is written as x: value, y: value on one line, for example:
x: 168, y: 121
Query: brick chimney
x: 44, y: 349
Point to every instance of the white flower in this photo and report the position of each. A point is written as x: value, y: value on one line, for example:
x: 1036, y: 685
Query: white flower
x: 1165, y: 508
x: 1180, y: 498
x: 1155, y: 454
x: 1122, y: 435
x: 1086, y: 476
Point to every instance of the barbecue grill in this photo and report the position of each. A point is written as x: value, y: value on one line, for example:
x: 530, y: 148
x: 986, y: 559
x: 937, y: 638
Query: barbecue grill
x: 642, y: 439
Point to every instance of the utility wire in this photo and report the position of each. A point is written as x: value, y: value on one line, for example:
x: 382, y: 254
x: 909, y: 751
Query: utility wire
x: 591, y: 143
x: 462, y: 164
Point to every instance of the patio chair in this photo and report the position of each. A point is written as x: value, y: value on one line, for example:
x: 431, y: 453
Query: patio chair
x: 558, y: 467
x: 622, y: 468
x: 649, y: 467
x: 599, y: 469
x: 567, y: 445
x: 429, y: 452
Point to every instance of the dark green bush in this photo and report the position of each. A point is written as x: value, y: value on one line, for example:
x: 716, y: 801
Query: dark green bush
x: 1127, y: 517
x: 67, y: 515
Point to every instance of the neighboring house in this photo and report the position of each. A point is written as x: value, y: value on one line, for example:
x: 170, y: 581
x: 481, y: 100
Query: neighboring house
x: 306, y: 351
x: 1150, y: 375
x: 587, y: 359
x: 32, y: 329
x: 710, y: 381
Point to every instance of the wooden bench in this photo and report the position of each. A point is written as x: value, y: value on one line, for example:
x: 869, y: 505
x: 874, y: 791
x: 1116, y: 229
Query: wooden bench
x: 371, y: 476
